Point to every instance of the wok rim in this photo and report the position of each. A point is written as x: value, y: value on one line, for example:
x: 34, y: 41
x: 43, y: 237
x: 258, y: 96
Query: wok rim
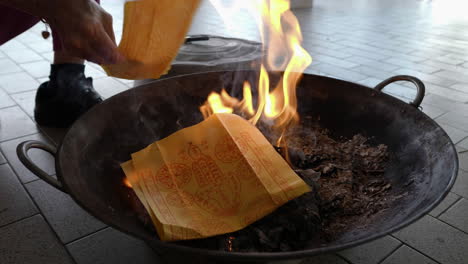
x: 218, y: 254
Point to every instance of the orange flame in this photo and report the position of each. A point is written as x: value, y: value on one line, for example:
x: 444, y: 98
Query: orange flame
x: 281, y: 35
x: 127, y: 183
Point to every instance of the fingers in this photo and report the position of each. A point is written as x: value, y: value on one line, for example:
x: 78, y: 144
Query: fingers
x: 94, y: 41
x: 115, y: 55
x: 105, y: 48
x: 107, y: 23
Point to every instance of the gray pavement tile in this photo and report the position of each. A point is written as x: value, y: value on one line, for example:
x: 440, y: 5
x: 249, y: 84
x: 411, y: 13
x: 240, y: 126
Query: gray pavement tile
x: 18, y: 82
x: 26, y: 100
x: 455, y: 134
x: 425, y: 77
x: 340, y: 72
x: 373, y: 72
x: 12, y: 45
x: 41, y: 46
x: 365, y: 54
x: 407, y: 57
x: 316, y: 49
x: 49, y: 56
x: 437, y: 240
x: 30, y: 241
x: 2, y: 158
x: 29, y: 37
x: 334, y: 61
x: 446, y: 66
x: 108, y: 86
x: 464, y: 143
x: 67, y: 218
x: 23, y: 55
x: 43, y: 79
x: 111, y: 246
x: 461, y: 184
x: 415, y: 66
x: 95, y: 71
x: 15, y: 123
x: 455, y: 119
x: 428, y: 53
x: 449, y: 60
x: 370, y: 82
x: 445, y: 103
x: 371, y: 252
x: 377, y: 65
x: 457, y: 215
x: 128, y: 83
x: 37, y: 69
x: 458, y: 76
x: 432, y: 111
x: 449, y: 200
x: 449, y: 93
x: 462, y: 87
x: 7, y: 66
x: 407, y: 255
x: 15, y: 203
x: 463, y: 158
x: 41, y: 158
x: 355, y: 44
x: 405, y: 93
x: 5, y: 100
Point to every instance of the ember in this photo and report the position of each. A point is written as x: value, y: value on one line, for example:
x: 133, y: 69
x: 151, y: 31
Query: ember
x: 349, y: 190
x: 346, y: 175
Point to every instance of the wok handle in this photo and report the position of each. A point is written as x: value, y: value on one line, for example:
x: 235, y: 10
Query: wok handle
x: 22, y: 152
x: 421, y: 89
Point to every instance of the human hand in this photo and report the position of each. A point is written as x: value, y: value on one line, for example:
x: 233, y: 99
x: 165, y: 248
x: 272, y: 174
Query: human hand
x: 85, y: 30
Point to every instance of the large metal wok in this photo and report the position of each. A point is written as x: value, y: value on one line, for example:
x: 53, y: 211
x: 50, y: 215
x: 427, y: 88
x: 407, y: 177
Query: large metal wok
x: 88, y: 159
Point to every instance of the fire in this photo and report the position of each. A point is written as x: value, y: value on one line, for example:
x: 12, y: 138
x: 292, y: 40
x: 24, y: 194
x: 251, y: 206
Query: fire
x: 127, y: 183
x: 281, y: 36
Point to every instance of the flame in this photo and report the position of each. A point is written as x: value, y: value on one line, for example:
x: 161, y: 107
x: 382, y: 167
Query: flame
x: 127, y: 183
x: 281, y: 36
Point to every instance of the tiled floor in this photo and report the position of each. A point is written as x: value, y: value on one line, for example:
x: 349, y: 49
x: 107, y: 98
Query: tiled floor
x: 363, y: 41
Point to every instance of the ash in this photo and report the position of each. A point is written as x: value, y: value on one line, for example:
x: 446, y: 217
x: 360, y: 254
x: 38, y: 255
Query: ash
x: 348, y: 191
x: 346, y: 176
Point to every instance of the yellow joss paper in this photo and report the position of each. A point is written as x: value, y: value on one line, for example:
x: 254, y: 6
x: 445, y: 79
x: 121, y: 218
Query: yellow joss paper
x: 212, y: 178
x: 153, y: 32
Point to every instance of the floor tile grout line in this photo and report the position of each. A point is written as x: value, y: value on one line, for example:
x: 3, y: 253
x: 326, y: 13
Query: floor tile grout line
x: 17, y: 63
x: 16, y: 138
x: 450, y: 206
x: 24, y: 91
x: 453, y: 226
x: 24, y: 110
x: 342, y: 258
x: 465, y: 138
x: 48, y: 223
x: 40, y: 211
x: 415, y: 249
x: 20, y: 219
x: 35, y: 180
x: 390, y: 253
x: 87, y: 235
x: 11, y: 106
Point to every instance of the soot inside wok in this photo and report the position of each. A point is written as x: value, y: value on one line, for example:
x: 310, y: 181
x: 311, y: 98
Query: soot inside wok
x: 349, y: 190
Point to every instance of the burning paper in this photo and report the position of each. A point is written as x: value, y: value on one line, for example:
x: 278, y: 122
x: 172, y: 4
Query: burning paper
x: 212, y: 178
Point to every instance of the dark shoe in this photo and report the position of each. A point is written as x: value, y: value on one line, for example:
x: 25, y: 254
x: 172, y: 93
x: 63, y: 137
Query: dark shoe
x: 63, y: 99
